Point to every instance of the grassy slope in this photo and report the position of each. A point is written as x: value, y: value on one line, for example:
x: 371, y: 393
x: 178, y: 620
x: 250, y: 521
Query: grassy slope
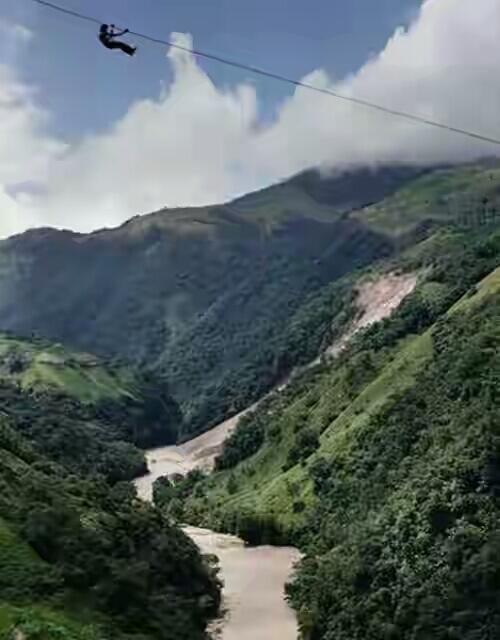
x: 264, y: 487
x: 44, y: 622
x: 322, y: 401
x: 88, y: 414
x: 461, y: 194
x: 42, y: 366
x: 489, y: 287
x: 56, y: 397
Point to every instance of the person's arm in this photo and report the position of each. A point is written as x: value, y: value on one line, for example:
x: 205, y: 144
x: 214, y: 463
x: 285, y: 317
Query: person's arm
x: 117, y: 34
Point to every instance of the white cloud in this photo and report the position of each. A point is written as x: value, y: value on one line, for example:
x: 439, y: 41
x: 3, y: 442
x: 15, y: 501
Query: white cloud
x: 197, y: 144
x: 176, y: 150
x: 25, y: 153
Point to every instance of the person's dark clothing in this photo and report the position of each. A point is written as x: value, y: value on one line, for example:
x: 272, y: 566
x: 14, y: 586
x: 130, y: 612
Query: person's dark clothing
x: 107, y: 38
x: 123, y: 46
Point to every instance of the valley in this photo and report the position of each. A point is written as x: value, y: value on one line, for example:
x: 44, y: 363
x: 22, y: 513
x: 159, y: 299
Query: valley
x: 198, y: 453
x: 310, y: 377
x: 254, y: 578
x: 249, y: 320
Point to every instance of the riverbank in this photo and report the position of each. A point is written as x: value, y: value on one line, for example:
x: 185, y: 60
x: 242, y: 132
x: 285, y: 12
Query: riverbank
x: 254, y: 577
x: 198, y: 453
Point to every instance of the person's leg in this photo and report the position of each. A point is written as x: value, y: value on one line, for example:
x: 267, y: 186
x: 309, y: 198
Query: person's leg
x: 126, y: 48
x: 123, y: 46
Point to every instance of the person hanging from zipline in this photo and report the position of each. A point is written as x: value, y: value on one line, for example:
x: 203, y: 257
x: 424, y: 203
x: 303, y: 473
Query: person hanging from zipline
x: 107, y: 35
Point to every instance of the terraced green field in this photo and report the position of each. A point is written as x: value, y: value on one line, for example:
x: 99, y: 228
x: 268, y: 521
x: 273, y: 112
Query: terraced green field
x: 40, y: 366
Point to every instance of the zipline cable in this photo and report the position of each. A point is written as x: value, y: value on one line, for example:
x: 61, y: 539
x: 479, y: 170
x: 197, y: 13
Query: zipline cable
x: 281, y: 78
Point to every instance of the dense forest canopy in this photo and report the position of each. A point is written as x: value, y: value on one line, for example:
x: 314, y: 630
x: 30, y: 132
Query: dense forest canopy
x: 87, y: 414
x: 81, y: 557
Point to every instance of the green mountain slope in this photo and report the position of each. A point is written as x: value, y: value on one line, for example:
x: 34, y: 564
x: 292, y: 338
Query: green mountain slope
x: 464, y: 195
x: 87, y: 414
x: 80, y: 557
x: 39, y: 366
x: 383, y: 464
x: 82, y: 560
x: 223, y: 301
x: 195, y: 294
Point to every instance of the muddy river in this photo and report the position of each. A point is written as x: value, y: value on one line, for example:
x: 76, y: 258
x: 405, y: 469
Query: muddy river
x: 254, y: 578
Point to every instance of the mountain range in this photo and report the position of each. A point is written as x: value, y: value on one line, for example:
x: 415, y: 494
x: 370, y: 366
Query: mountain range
x: 361, y: 311
x: 221, y: 302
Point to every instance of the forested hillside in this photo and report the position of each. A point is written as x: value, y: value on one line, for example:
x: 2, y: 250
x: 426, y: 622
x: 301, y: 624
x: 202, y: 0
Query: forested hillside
x: 380, y: 461
x: 214, y: 299
x: 382, y: 464
x: 83, y: 413
x: 83, y: 560
x: 221, y: 302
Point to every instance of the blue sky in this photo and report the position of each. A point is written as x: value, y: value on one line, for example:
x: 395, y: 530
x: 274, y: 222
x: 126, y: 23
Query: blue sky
x: 89, y: 137
x: 86, y: 88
